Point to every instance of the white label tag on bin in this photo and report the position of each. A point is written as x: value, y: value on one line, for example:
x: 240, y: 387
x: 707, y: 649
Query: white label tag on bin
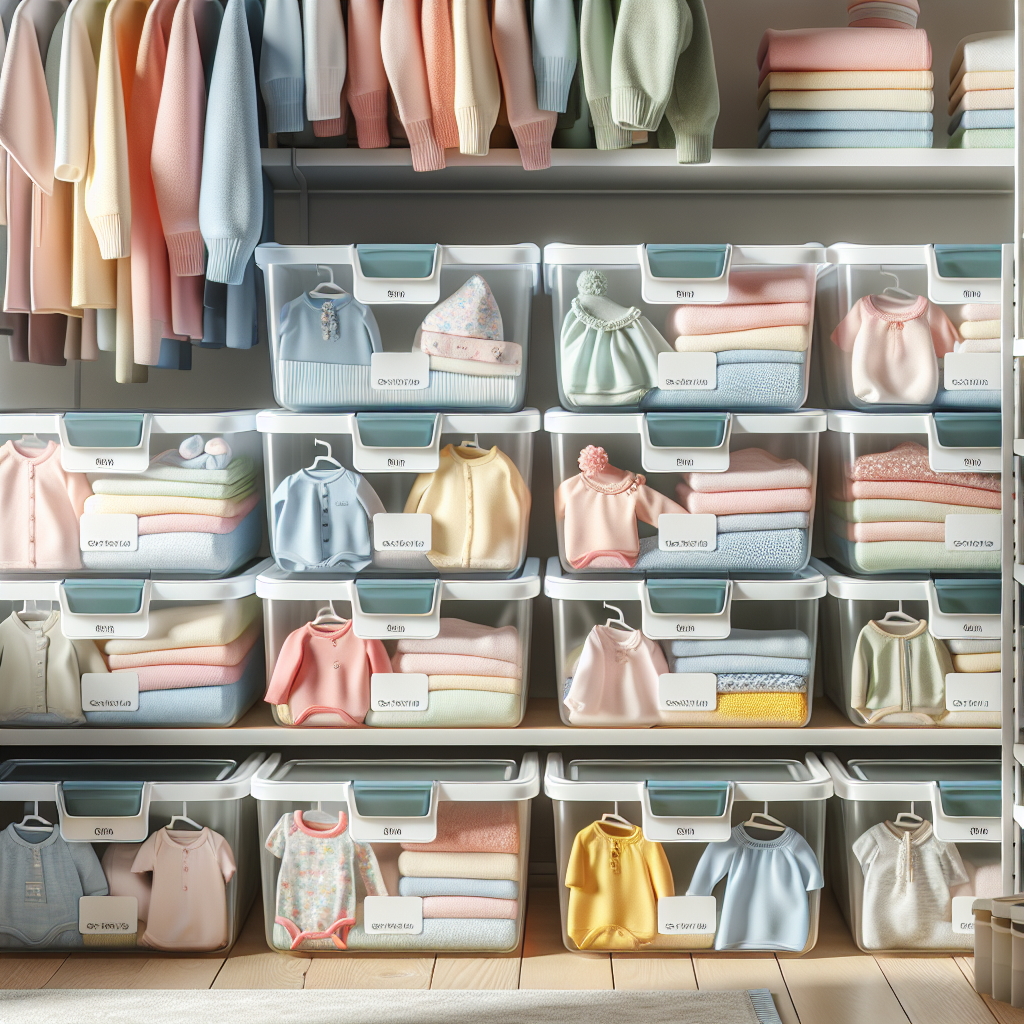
x: 974, y: 691
x: 399, y: 371
x: 393, y: 915
x: 680, y: 532
x: 408, y: 532
x: 688, y: 691
x: 108, y: 915
x: 110, y: 691
x: 687, y: 371
x: 981, y: 534
x: 687, y: 915
x: 398, y: 691
x: 116, y: 532
x: 971, y: 371
x: 963, y: 915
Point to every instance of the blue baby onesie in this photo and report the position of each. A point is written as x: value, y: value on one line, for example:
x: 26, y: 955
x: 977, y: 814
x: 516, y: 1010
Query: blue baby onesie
x: 765, y: 902
x: 328, y: 330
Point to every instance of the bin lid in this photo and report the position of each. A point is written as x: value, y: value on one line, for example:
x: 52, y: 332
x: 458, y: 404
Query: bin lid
x: 804, y: 421
x: 767, y: 770
x: 160, y: 422
x: 568, y: 254
x: 915, y: 770
x: 280, y: 421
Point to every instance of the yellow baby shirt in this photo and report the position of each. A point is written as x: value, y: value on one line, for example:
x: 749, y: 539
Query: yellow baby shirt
x: 615, y: 879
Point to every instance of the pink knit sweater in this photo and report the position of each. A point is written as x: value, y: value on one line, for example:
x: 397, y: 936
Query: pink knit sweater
x: 439, y: 53
x: 367, y: 80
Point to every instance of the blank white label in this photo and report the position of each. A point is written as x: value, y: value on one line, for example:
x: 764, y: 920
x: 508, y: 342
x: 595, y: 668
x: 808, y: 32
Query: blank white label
x: 680, y: 532
x: 971, y: 371
x: 688, y: 691
x: 974, y: 533
x: 110, y: 691
x: 402, y: 531
x: 398, y: 691
x: 108, y: 915
x: 687, y: 371
x: 963, y: 915
x: 393, y: 915
x: 686, y: 915
x: 115, y: 532
x: 974, y: 691
x: 399, y: 371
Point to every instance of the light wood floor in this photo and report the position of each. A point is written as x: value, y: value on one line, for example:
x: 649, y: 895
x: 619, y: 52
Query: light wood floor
x: 834, y: 984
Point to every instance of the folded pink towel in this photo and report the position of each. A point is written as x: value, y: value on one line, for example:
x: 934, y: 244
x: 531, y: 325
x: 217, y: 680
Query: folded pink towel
x: 981, y: 311
x: 903, y: 490
x: 184, y: 523
x: 470, y: 907
x: 458, y: 636
x: 454, y: 665
x: 908, y: 461
x: 727, y: 503
x: 752, y: 469
x: 753, y: 285
x: 180, y: 677
x: 843, y: 49
x: 474, y: 827
x: 687, y: 320
x: 859, y: 532
x: 229, y: 654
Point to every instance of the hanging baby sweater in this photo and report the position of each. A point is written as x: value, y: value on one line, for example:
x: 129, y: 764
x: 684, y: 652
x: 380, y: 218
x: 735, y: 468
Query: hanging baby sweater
x: 325, y: 58
x: 367, y: 79
x: 477, y: 91
x: 281, y: 80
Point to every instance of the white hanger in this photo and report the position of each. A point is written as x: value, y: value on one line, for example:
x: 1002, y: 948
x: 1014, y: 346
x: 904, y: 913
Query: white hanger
x: 184, y: 818
x: 616, y: 818
x: 900, y: 293
x: 327, y: 614
x: 326, y: 289
x: 32, y: 440
x: 44, y: 826
x: 319, y: 815
x: 325, y: 458
x: 37, y: 608
x: 766, y: 822
x: 899, y: 616
x: 475, y: 443
x: 909, y: 817
x: 618, y: 620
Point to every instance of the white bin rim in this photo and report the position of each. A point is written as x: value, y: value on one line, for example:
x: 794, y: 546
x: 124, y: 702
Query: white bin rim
x: 803, y: 421
x: 280, y: 421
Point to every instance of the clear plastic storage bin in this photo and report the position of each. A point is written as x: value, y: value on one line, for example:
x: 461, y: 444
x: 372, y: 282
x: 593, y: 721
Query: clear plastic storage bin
x: 684, y: 492
x: 409, y: 855
x: 400, y: 326
x: 387, y: 653
x: 112, y: 492
x: 130, y: 652
x: 911, y: 326
x: 660, y: 855
x: 399, y: 493
x: 913, y: 492
x: 685, y: 652
x: 913, y: 652
x: 126, y: 855
x: 912, y: 843
x: 682, y: 326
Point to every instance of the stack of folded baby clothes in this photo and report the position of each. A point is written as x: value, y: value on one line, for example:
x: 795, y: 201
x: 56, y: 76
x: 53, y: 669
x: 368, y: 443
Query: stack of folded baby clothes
x: 468, y: 878
x: 198, y: 511
x: 890, y: 514
x: 760, y: 335
x: 761, y: 676
x: 199, y: 665
x: 981, y: 92
x: 474, y: 677
x: 973, y: 656
x: 857, y: 87
x: 981, y: 327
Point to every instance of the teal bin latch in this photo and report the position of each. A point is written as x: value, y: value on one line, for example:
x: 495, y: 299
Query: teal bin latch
x: 104, y: 597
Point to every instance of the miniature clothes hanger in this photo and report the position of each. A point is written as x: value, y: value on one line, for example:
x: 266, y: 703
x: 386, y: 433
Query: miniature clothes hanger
x: 618, y: 620
x: 763, y: 820
x: 319, y: 816
x: 616, y: 819
x: 899, y: 615
x: 896, y: 290
x: 43, y: 826
x: 327, y: 614
x: 184, y: 819
x: 326, y: 289
x: 325, y: 458
x: 32, y: 440
x: 909, y: 818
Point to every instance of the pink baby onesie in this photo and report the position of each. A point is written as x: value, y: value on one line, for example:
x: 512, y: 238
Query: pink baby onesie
x: 600, y: 507
x: 895, y: 346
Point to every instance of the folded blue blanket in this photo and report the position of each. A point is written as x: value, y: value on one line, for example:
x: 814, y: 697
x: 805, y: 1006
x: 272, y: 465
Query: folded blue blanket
x: 845, y: 121
x: 757, y: 550
x: 966, y: 399
x: 981, y: 119
x: 770, y: 643
x: 498, y: 888
x: 765, y: 385
x: 760, y: 682
x: 847, y: 140
x: 763, y: 521
x: 470, y: 934
x: 759, y: 355
x: 732, y: 663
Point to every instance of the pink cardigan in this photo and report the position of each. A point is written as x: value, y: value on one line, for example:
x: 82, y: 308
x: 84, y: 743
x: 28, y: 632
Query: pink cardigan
x: 367, y: 80
x: 439, y: 53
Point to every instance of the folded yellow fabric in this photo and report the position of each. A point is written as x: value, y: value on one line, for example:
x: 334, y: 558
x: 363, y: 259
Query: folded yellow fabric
x: 849, y: 99
x: 193, y: 625
x: 980, y: 329
x: 494, y: 684
x: 978, y: 81
x: 745, y: 709
x: 988, y: 99
x: 976, y: 662
x: 159, y: 505
x: 777, y: 339
x: 776, y: 80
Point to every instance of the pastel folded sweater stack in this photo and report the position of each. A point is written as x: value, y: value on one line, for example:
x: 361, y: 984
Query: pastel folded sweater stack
x: 980, y: 327
x: 866, y: 86
x: 981, y: 82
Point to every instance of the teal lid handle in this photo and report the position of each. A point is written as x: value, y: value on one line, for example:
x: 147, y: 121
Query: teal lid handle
x: 104, y: 597
x: 396, y: 261
x: 968, y: 429
x: 104, y: 429
x: 968, y: 261
x: 392, y: 811
x: 396, y: 597
x: 687, y: 597
x: 386, y: 430
x: 104, y: 609
x: 102, y: 799
x: 969, y: 597
x: 688, y: 799
x: 395, y: 799
x: 687, y: 429
x: 687, y: 261
x: 687, y: 811
x: 402, y: 274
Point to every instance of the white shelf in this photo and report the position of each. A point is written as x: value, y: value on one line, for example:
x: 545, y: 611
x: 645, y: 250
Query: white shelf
x: 541, y: 728
x: 583, y: 170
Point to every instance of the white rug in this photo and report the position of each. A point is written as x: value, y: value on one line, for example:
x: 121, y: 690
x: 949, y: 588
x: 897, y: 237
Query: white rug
x: 361, y: 1006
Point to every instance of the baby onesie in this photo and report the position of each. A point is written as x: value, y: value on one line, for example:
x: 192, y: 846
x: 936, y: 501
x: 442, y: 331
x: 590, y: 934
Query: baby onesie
x: 316, y: 885
x: 327, y: 329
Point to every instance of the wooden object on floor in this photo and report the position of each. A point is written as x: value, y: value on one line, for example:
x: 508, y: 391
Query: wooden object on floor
x: 717, y: 974
x: 131, y: 971
x: 840, y: 990
x: 933, y: 990
x: 651, y: 973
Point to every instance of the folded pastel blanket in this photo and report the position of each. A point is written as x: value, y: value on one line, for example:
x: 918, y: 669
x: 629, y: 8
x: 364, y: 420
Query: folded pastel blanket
x: 454, y: 665
x: 847, y: 99
x: 982, y: 51
x: 176, y: 488
x: 737, y: 357
x: 760, y: 682
x: 469, y: 906
x: 959, y: 645
x: 912, y: 490
x: 908, y: 556
x: 181, y: 677
x: 847, y: 140
x: 739, y: 710
x: 454, y: 709
x: 155, y: 505
x: 843, y: 49
x: 485, y: 888
x: 177, y: 523
x: 846, y: 121
x: 888, y: 531
x: 496, y: 684
x: 966, y: 399
x: 474, y: 827
x: 752, y: 469
x: 756, y: 285
x: 744, y: 523
x: 882, y: 510
x: 783, y: 499
x: 701, y: 319
x: 972, y: 119
x: 794, y: 338
x: 980, y: 329
x: 989, y: 99
x: 980, y: 311
x: 164, y: 467
x: 757, y: 551
x: 732, y: 663
x: 457, y: 636
x: 908, y: 461
x: 192, y: 625
x: 981, y: 138
x: 459, y: 865
x: 977, y: 662
x: 978, y: 345
x: 788, y: 81
x: 978, y: 81
x: 473, y: 935
x: 760, y: 386
x: 228, y: 654
x: 771, y: 643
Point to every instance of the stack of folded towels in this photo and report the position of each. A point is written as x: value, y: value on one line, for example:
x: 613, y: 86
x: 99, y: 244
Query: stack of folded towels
x: 760, y: 335
x: 839, y: 88
x: 981, y: 327
x: 474, y: 677
x: 199, y: 665
x: 198, y: 510
x: 981, y: 92
x: 468, y: 878
x: 975, y: 655
x: 761, y: 677
x: 891, y: 514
